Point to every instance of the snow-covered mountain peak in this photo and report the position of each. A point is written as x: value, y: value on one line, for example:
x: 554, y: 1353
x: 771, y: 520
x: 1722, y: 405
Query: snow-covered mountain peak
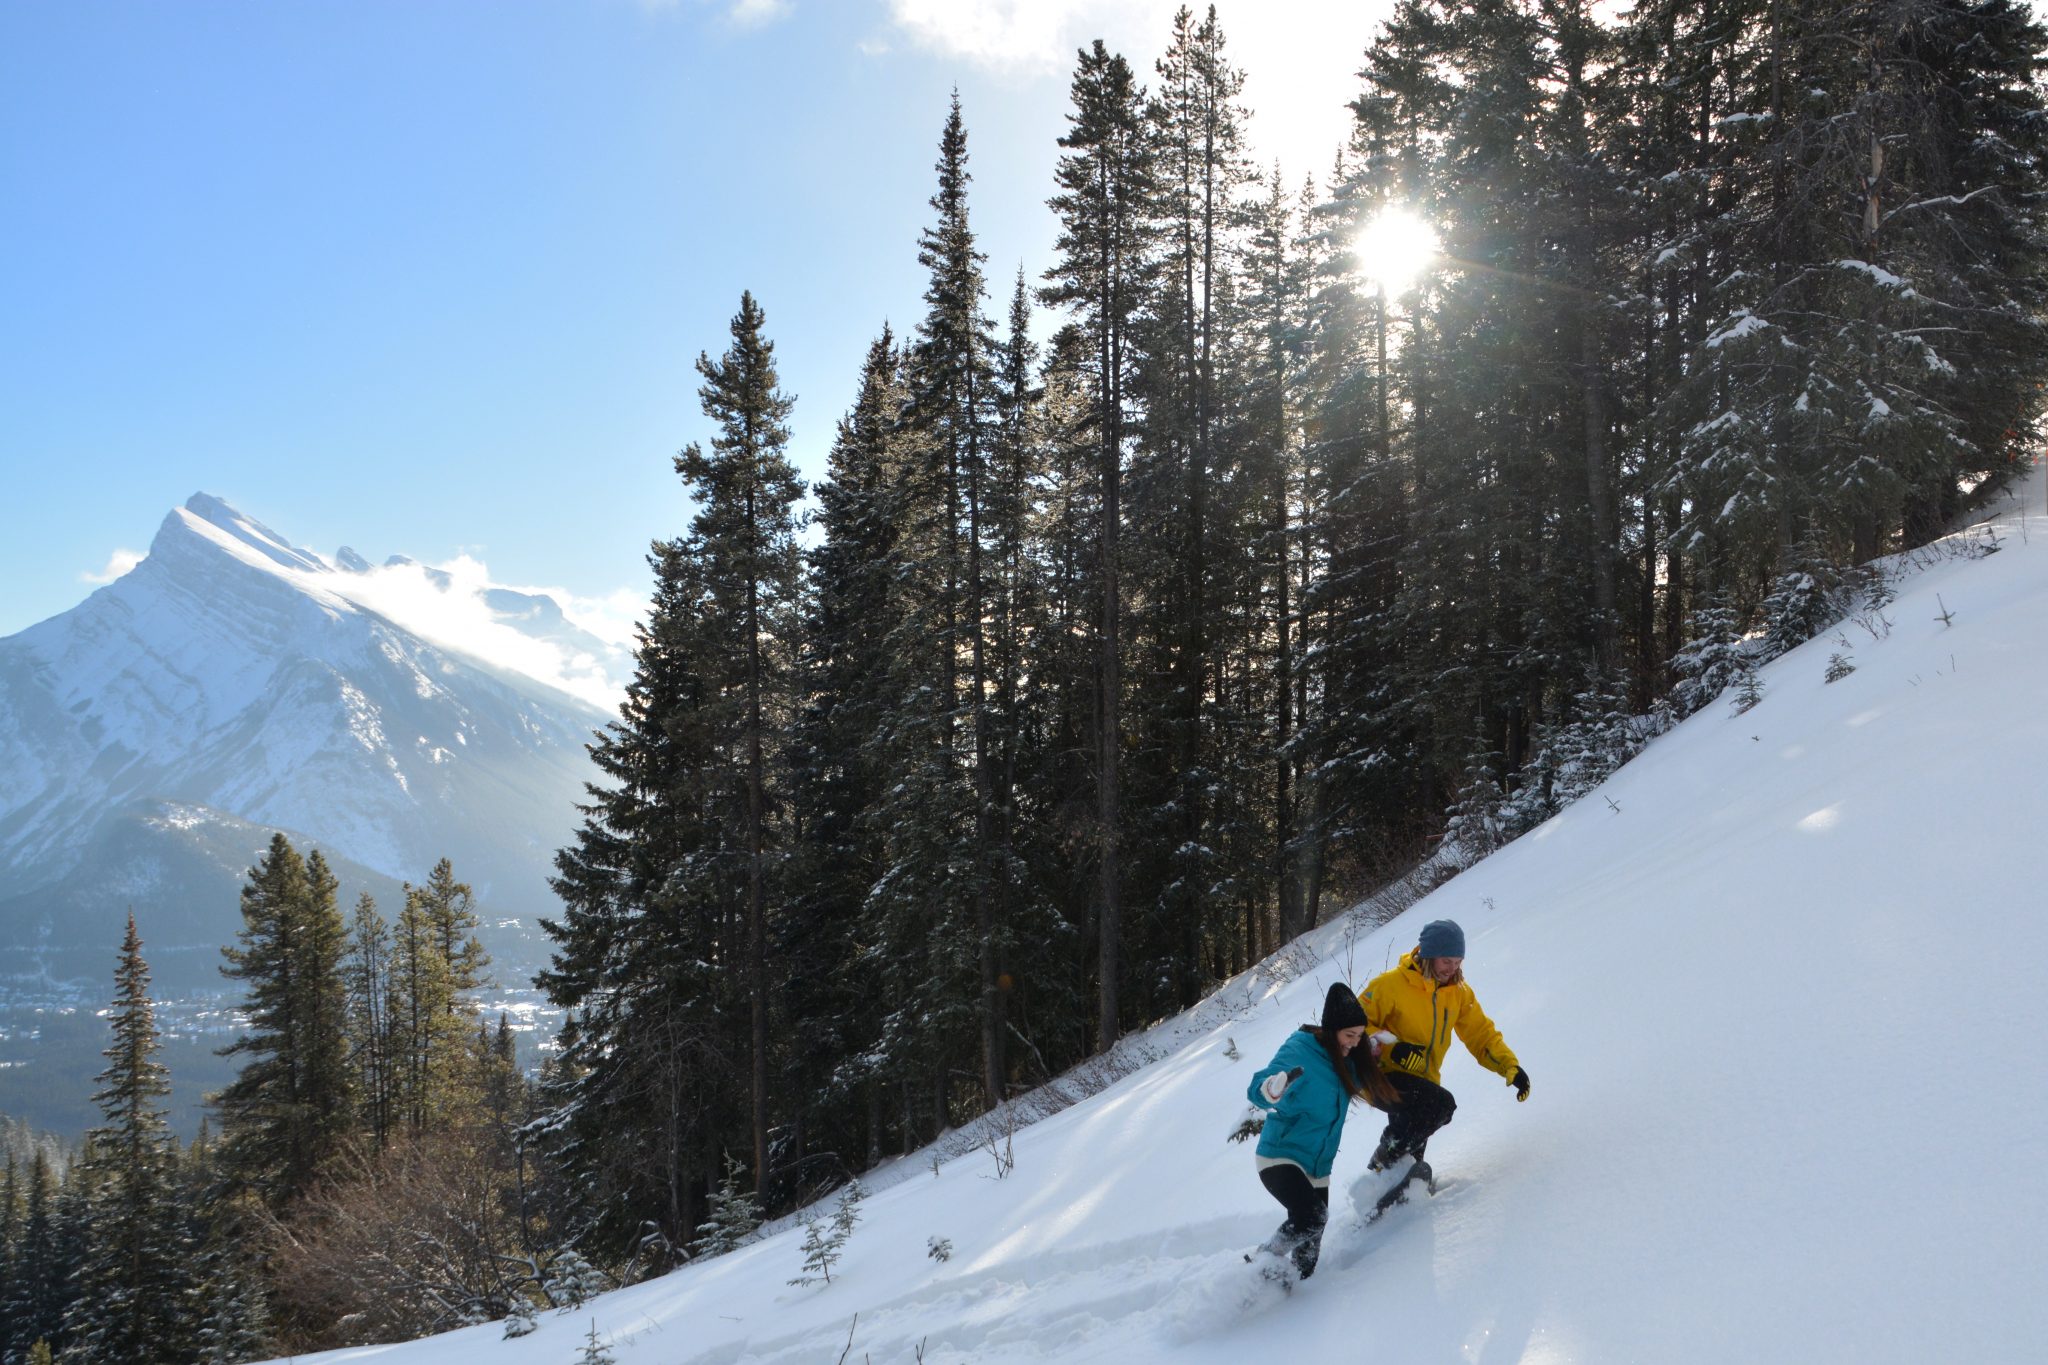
x: 234, y: 672
x: 214, y: 520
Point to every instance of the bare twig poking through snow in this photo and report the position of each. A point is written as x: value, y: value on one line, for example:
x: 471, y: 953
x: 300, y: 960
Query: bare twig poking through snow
x: 1001, y: 1133
x: 849, y: 1338
x: 1946, y: 617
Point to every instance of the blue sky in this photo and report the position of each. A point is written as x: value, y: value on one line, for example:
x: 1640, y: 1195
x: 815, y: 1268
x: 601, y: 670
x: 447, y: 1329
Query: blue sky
x: 429, y: 277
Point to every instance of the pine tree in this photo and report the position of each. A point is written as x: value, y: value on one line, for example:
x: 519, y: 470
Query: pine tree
x: 450, y: 908
x: 595, y: 1353
x: 1104, y: 206
x: 234, y: 1316
x: 1276, y: 307
x: 650, y: 950
x: 436, y: 965
x: 1711, y: 663
x: 838, y: 761
x: 12, y: 1211
x: 40, y: 1291
x: 573, y: 1281
x: 132, y: 1288
x: 821, y: 1252
x: 745, y: 530
x: 733, y: 1218
x: 668, y: 887
x: 936, y: 908
x: 290, y: 1108
x: 1186, y: 505
x: 368, y: 973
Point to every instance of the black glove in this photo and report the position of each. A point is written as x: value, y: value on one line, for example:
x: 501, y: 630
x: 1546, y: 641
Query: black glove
x: 1410, y: 1057
x: 1521, y: 1085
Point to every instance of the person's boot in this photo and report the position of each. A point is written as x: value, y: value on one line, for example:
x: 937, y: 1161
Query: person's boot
x: 1387, y: 1153
x: 1306, y: 1254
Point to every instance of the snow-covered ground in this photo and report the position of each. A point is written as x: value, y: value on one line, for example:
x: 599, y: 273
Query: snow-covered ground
x: 1778, y: 985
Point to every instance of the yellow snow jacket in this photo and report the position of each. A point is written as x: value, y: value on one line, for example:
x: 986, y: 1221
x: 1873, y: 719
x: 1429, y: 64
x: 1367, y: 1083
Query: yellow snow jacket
x: 1408, y: 1003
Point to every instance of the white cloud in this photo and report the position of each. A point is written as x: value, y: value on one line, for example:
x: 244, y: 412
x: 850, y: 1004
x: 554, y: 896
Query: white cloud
x: 757, y: 13
x: 459, y: 617
x: 1027, y: 36
x: 740, y: 13
x: 118, y: 563
x: 1300, y: 57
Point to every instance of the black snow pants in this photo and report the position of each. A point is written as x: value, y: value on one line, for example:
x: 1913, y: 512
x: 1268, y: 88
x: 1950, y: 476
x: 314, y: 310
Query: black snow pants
x: 1308, y: 1208
x: 1425, y: 1107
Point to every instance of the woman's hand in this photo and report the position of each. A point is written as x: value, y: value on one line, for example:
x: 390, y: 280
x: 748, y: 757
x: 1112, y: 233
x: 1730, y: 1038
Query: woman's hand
x: 1275, y: 1085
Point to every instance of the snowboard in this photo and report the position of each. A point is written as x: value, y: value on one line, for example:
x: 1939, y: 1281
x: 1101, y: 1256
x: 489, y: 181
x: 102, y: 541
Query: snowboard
x: 1418, y: 1171
x: 1274, y: 1258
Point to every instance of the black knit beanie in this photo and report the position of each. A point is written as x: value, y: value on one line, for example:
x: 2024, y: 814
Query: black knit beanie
x: 1341, y: 1009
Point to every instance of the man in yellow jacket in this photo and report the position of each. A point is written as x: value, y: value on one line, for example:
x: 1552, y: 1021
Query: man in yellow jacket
x: 1411, y: 1012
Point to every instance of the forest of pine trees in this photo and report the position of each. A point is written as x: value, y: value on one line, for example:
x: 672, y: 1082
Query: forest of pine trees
x: 1132, y: 638
x: 366, y: 1176
x: 1120, y: 657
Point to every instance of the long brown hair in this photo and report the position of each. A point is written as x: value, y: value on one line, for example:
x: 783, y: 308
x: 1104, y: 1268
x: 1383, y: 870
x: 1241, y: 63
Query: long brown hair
x: 1361, y: 1080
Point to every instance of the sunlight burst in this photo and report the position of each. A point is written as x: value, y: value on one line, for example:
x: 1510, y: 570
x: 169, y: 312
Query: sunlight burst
x: 1395, y: 248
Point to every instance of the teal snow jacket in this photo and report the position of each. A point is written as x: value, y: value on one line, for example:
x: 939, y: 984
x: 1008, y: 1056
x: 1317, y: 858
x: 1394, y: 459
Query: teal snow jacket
x: 1309, y: 1120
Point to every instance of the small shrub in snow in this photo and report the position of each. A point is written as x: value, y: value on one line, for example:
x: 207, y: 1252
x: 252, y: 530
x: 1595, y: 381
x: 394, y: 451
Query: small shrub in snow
x: 1474, y: 828
x: 594, y: 1352
x: 821, y: 1253
x: 733, y: 1216
x: 1749, y: 689
x: 1803, y: 600
x: 573, y: 1281
x: 825, y: 1240
x: 519, y: 1321
x: 1840, y: 666
x: 939, y: 1248
x: 847, y: 1212
x: 1710, y: 664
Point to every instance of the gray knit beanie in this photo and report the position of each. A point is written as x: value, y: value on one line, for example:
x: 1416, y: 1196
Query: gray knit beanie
x: 1442, y: 938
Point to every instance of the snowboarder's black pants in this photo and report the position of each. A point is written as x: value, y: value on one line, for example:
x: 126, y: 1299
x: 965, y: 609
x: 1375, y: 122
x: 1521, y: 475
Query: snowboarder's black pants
x: 1308, y: 1208
x: 1425, y: 1107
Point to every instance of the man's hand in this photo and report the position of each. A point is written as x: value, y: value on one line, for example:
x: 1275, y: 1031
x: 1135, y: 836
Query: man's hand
x: 1275, y: 1085
x: 1521, y: 1085
x: 1411, y: 1057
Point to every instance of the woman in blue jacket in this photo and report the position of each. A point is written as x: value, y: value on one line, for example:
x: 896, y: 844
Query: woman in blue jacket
x: 1307, y: 1089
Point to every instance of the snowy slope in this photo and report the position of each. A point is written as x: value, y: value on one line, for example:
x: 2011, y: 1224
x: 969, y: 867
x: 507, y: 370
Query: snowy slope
x: 239, y: 678
x: 1777, y: 986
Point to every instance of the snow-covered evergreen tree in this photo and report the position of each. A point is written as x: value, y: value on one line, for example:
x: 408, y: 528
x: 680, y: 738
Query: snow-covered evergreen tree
x: 595, y: 1352
x: 132, y: 1293
x: 735, y: 1214
x: 520, y: 1321
x: 1710, y: 663
x: 572, y: 1281
x: 291, y: 1106
x: 821, y: 1252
